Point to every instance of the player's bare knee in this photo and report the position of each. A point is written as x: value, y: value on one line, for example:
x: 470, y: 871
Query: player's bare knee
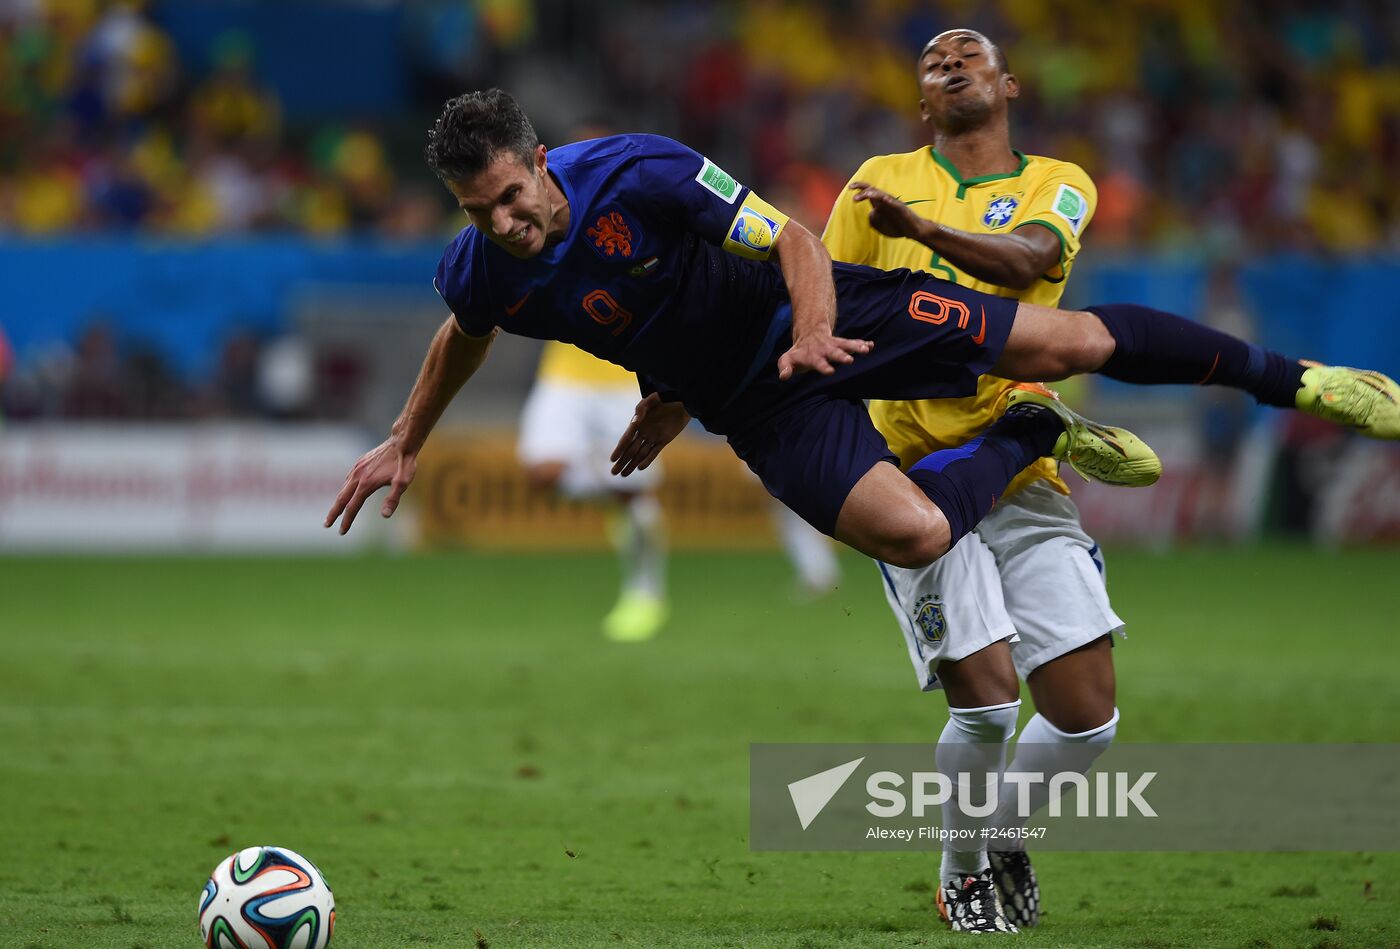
x: 1077, y: 708
x: 916, y: 544
x: 987, y: 677
x: 1079, y: 721
x: 1093, y: 344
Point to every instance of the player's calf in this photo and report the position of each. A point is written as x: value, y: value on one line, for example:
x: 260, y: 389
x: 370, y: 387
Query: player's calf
x: 1152, y: 347
x: 884, y: 519
x: 965, y: 482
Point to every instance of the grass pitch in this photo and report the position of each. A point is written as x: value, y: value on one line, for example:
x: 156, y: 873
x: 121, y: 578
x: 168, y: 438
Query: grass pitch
x: 451, y: 740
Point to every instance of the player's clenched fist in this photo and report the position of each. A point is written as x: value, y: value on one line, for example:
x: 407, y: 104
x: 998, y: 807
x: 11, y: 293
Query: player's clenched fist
x: 388, y: 464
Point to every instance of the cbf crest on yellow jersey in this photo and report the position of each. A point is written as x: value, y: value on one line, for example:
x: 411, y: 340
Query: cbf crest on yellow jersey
x: 1041, y: 191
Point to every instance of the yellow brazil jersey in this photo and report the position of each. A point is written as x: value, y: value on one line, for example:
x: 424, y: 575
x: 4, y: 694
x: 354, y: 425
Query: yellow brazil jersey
x: 1056, y: 194
x: 562, y: 362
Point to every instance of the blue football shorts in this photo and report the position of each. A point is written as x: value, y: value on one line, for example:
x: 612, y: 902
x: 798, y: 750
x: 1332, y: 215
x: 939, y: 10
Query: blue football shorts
x: 810, y: 439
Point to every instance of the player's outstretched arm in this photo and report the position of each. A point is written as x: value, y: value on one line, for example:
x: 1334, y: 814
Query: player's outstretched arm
x: 1015, y: 260
x: 654, y: 425
x: 453, y: 357
x: 806, y: 270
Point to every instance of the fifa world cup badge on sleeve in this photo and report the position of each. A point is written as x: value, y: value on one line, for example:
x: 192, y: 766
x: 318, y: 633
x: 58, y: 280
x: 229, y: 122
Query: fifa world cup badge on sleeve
x: 755, y: 228
x: 1070, y: 205
x: 713, y: 179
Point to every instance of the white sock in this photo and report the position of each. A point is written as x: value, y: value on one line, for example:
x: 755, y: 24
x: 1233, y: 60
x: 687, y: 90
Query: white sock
x: 1045, y: 749
x: 642, y: 547
x: 811, y: 553
x: 973, y: 741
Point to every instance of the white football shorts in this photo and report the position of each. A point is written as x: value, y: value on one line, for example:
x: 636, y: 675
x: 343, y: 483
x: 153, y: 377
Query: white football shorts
x: 1028, y: 574
x: 578, y: 425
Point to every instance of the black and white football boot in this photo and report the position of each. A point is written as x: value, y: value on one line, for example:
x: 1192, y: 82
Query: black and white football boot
x: 1016, y: 885
x: 972, y: 905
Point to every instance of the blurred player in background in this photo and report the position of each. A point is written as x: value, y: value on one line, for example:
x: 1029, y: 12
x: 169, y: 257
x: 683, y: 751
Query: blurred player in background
x: 572, y: 416
x: 811, y: 553
x: 576, y: 406
x: 1024, y: 593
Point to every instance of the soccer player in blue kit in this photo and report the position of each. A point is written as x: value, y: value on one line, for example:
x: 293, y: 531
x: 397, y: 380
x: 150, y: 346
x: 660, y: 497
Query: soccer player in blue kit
x: 645, y: 253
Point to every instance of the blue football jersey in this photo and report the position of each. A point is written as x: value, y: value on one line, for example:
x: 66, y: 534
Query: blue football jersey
x: 664, y: 269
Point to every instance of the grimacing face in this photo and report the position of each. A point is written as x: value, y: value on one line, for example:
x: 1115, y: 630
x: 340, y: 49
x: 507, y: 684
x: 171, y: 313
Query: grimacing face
x: 509, y: 203
x: 960, y: 80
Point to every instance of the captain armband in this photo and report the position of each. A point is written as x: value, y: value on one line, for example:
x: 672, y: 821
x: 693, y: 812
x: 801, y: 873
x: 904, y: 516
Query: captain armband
x: 755, y: 228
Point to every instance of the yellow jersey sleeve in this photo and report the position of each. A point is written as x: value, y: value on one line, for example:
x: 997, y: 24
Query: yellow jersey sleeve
x: 1063, y: 202
x: 848, y: 236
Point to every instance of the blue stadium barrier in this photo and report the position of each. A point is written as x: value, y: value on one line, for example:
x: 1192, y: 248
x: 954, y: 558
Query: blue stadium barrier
x: 186, y: 299
x: 1343, y: 311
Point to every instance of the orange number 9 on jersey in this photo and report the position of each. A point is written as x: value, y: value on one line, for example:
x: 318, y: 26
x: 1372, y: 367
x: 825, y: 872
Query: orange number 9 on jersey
x: 931, y: 308
x: 606, y: 311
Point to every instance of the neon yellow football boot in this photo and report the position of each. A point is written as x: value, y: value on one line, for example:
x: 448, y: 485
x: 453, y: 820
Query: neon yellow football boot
x: 636, y: 618
x: 1366, y: 401
x: 1098, y: 452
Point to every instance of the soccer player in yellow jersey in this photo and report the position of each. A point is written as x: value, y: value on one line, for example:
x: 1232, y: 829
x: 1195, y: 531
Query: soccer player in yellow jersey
x: 572, y: 416
x: 1023, y: 594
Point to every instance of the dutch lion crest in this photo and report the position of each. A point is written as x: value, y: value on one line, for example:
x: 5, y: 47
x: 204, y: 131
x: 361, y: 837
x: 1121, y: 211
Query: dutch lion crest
x: 612, y: 235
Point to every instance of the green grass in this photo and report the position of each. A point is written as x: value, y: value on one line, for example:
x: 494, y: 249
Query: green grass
x: 453, y: 743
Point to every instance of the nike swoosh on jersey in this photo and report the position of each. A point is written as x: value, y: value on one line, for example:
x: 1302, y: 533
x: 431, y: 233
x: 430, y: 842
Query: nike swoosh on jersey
x: 515, y: 307
x: 920, y: 201
x: 981, y: 336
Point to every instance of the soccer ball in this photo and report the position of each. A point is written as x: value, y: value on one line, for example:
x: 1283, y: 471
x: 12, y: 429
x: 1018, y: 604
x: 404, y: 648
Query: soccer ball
x: 266, y: 898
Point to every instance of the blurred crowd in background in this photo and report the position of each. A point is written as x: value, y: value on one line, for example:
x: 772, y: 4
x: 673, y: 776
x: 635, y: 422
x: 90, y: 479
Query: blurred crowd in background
x: 1226, y: 130
x: 106, y: 377
x: 1259, y: 123
x: 105, y: 129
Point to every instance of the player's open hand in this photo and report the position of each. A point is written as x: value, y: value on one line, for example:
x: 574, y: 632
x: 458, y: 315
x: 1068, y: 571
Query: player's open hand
x: 388, y: 464
x: 820, y: 353
x: 654, y: 425
x: 889, y: 215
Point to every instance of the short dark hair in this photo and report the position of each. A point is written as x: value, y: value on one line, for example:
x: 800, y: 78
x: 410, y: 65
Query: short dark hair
x: 473, y: 129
